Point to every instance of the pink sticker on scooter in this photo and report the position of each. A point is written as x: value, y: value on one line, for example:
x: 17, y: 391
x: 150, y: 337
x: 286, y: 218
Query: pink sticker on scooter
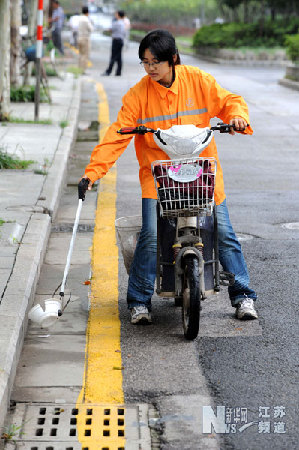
x: 185, y: 173
x: 199, y: 173
x: 175, y: 169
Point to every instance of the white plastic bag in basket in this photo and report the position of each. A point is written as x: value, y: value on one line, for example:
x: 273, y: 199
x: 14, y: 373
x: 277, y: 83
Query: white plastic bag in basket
x: 183, y: 140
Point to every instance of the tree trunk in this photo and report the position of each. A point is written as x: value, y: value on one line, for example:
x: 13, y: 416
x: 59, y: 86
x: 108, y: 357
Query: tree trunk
x: 4, y: 58
x: 46, y: 12
x: 246, y: 11
x: 262, y: 19
x: 15, y: 41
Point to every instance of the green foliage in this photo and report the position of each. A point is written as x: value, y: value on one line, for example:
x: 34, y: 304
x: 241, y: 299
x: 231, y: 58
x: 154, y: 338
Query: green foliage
x: 76, y: 71
x: 26, y: 94
x: 50, y: 71
x: 9, y: 162
x: 235, y: 34
x: 292, y: 47
x: 254, y: 10
x: 168, y: 12
x: 40, y: 122
x: 40, y: 172
x: 64, y: 124
x: 43, y: 168
x: 50, y: 46
x: 11, y: 432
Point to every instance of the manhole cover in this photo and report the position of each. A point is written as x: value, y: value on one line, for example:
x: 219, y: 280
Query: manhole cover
x: 85, y: 426
x: 291, y: 225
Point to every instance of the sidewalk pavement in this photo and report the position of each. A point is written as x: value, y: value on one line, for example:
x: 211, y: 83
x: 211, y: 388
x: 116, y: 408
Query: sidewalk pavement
x: 28, y: 203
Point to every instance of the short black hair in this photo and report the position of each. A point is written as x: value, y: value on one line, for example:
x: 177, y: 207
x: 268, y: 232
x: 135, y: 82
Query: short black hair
x: 121, y: 13
x: 84, y: 9
x: 161, y: 44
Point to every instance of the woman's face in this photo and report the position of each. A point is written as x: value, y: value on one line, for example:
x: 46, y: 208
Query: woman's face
x: 160, y: 72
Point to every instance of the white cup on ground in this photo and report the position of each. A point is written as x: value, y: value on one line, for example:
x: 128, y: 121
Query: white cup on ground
x: 36, y: 314
x: 48, y: 317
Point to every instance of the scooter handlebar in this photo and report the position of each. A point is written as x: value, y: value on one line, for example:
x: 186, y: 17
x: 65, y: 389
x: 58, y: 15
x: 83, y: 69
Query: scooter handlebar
x: 135, y: 130
x: 221, y: 127
x: 224, y: 127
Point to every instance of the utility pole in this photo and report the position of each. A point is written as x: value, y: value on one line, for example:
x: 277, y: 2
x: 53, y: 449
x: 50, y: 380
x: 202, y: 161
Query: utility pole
x: 39, y: 54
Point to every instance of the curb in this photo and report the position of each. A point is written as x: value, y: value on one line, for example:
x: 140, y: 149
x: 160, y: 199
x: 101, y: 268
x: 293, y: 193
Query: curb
x: 289, y: 84
x: 17, y: 300
x: 55, y: 179
x: 242, y: 62
x: 19, y: 296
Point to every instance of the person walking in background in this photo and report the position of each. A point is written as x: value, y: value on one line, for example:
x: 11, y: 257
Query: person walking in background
x: 118, y: 37
x: 84, y: 31
x: 73, y: 23
x: 127, y: 31
x: 57, y: 22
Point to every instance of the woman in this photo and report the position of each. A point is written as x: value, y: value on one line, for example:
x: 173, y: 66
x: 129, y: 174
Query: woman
x: 173, y: 94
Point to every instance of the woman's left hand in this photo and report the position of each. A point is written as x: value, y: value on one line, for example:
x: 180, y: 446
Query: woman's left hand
x: 238, y: 123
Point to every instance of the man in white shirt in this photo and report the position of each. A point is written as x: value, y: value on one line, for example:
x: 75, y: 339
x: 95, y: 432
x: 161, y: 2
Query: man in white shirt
x: 73, y: 23
x: 84, y: 31
x: 127, y: 24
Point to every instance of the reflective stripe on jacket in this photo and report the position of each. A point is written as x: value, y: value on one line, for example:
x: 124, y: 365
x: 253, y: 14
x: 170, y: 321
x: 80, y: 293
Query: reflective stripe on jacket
x: 194, y: 98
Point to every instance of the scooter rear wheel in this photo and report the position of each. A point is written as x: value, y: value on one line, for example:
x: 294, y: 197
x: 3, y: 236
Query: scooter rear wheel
x: 191, y: 297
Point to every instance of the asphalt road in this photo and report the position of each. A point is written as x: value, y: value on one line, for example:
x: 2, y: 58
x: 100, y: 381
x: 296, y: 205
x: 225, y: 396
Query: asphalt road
x: 242, y: 365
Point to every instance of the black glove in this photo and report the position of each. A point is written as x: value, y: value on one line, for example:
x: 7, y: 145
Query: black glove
x: 82, y: 188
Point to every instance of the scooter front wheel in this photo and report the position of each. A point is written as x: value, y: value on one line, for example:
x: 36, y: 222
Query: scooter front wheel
x: 191, y: 297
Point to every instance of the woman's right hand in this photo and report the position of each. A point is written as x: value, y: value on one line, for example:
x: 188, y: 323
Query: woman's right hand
x: 84, y: 185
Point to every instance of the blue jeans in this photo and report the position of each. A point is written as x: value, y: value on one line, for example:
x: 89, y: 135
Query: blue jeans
x: 231, y: 257
x: 143, y: 269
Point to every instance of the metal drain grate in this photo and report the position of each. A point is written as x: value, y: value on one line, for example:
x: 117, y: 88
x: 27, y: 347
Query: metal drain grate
x: 68, y: 228
x: 86, y: 427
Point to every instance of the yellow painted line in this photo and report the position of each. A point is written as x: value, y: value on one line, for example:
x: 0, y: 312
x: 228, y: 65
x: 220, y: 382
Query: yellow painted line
x: 75, y: 50
x: 102, y: 383
x: 103, y: 118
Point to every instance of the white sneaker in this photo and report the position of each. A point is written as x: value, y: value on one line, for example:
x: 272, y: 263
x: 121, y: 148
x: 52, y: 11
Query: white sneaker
x: 140, y: 315
x: 245, y: 310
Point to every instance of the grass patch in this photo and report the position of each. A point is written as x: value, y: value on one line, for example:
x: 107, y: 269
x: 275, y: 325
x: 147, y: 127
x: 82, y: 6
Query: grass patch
x: 50, y: 71
x: 64, y: 123
x: 40, y: 172
x: 76, y: 71
x: 11, y: 432
x: 289, y: 77
x: 2, y: 222
x: 39, y: 122
x: 25, y: 94
x: 13, y: 162
x: 185, y: 44
x: 186, y: 40
x: 43, y: 168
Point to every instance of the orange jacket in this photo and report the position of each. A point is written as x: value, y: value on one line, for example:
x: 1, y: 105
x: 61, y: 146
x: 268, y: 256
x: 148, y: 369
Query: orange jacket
x: 194, y: 98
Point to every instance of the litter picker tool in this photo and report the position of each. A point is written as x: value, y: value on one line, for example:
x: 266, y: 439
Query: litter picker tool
x: 54, y: 308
